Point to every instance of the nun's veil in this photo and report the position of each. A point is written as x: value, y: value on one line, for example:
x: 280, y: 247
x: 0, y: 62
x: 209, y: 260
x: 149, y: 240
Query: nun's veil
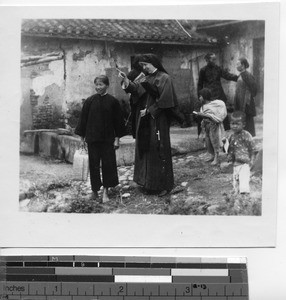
x: 152, y: 59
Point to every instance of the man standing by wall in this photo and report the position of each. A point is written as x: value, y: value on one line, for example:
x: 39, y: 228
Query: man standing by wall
x: 210, y: 77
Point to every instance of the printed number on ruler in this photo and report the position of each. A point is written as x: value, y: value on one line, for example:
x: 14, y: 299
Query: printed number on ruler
x: 122, y: 278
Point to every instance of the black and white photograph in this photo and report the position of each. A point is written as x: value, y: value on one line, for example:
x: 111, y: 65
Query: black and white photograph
x: 142, y: 149
x: 125, y: 120
x: 142, y: 116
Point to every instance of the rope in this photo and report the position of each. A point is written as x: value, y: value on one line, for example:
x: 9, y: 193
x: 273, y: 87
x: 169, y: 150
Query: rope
x: 183, y: 28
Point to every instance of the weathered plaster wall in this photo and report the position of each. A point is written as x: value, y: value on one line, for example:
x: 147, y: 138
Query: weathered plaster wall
x: 70, y: 79
x: 85, y: 60
x: 241, y: 44
x: 25, y: 109
x: 182, y: 66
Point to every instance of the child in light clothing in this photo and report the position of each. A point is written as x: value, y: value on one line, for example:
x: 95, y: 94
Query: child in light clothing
x: 213, y: 112
x: 240, y: 153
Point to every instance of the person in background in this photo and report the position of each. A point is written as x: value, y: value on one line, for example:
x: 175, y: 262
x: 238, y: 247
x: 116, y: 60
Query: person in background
x: 135, y: 104
x: 213, y: 112
x: 153, y: 168
x: 101, y: 125
x: 210, y: 77
x: 245, y: 92
x: 240, y: 153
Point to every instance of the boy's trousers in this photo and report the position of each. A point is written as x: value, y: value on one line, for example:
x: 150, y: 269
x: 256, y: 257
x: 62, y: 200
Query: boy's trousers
x: 104, y: 152
x: 241, y: 178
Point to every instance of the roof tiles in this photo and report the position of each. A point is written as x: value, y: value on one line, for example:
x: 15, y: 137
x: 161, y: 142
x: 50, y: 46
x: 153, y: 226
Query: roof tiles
x: 156, y: 31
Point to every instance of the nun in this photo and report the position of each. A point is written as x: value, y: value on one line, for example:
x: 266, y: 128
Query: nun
x: 153, y: 168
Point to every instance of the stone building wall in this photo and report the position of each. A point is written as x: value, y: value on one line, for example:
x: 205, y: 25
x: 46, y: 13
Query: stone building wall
x: 248, y: 41
x: 52, y: 86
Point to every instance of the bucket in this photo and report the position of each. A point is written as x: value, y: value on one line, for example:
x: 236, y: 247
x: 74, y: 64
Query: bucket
x: 80, y: 164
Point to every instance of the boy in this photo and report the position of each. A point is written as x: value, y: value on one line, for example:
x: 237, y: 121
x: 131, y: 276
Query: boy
x: 100, y: 126
x: 240, y: 153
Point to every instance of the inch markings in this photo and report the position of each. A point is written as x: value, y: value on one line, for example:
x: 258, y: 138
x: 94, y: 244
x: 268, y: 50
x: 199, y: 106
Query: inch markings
x: 122, y: 278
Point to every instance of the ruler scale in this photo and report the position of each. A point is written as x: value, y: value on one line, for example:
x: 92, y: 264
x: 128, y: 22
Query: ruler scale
x: 122, y: 278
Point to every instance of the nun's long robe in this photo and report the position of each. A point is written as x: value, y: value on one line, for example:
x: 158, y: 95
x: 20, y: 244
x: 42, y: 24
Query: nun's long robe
x: 153, y: 160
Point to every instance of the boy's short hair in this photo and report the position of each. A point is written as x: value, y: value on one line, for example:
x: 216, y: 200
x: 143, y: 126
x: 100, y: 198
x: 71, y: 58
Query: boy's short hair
x: 239, y: 115
x: 205, y: 93
x: 102, y: 78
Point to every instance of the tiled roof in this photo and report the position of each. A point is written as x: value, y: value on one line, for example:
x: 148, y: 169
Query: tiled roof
x: 148, y: 31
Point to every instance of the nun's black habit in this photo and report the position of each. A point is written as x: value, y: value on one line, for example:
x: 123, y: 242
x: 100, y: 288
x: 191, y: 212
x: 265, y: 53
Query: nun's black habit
x: 153, y: 161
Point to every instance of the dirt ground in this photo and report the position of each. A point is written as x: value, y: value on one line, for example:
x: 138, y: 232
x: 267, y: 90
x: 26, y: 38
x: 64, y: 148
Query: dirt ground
x: 200, y: 189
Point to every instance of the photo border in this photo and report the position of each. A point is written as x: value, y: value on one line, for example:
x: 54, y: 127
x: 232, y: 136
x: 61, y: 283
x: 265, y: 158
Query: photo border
x: 98, y: 230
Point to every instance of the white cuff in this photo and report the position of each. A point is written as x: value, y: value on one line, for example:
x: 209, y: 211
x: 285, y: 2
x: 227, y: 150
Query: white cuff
x: 124, y: 85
